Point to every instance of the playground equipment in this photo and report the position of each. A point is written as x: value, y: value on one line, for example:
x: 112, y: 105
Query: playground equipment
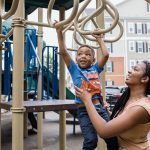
x: 112, y: 11
x: 66, y: 21
x: 94, y: 14
x: 18, y: 106
x: 79, y: 24
x: 147, y: 1
x: 11, y: 11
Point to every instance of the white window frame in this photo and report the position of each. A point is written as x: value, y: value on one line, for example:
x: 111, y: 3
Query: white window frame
x: 131, y: 27
x: 109, y: 66
x: 132, y: 63
x: 132, y: 46
x: 139, y: 28
x: 140, y: 47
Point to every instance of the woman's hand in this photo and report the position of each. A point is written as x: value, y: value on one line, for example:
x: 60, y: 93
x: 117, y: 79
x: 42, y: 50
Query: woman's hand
x: 84, y: 95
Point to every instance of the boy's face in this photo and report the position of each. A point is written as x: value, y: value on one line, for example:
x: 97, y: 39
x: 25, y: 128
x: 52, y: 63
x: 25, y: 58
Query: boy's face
x: 85, y: 57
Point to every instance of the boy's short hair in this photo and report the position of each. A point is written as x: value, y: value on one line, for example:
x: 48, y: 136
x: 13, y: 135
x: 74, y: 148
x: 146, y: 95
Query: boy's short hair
x: 84, y: 45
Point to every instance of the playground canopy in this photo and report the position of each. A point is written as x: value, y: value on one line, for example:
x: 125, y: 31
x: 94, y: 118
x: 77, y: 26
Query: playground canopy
x: 31, y: 5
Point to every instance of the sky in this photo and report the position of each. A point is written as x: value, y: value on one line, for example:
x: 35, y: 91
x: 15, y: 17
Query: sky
x: 50, y: 34
x: 116, y: 1
x: 112, y: 1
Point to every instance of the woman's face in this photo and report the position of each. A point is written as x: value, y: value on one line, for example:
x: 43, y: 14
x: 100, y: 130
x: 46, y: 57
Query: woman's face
x: 136, y: 74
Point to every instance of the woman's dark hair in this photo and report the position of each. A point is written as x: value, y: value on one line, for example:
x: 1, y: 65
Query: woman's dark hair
x: 120, y: 103
x: 147, y: 73
x: 119, y: 106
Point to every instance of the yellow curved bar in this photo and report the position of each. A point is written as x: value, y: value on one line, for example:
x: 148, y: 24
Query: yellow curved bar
x: 64, y: 22
x: 109, y: 40
x: 85, y: 4
x: 104, y: 2
x: 12, y: 10
x: 68, y: 26
x: 80, y: 12
x: 118, y: 37
x: 94, y: 14
x: 121, y: 30
x: 6, y: 36
x: 84, y: 41
x: 116, y: 18
x: 89, y: 37
x: 75, y: 38
x: 93, y: 39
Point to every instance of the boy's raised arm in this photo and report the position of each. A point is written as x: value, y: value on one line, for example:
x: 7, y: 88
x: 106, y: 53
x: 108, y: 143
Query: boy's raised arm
x: 62, y: 46
x: 105, y: 55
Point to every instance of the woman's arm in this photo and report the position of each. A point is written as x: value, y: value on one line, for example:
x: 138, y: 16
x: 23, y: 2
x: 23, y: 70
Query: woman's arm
x: 125, y: 121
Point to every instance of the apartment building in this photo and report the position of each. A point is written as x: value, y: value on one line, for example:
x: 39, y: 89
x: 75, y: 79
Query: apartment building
x: 134, y: 46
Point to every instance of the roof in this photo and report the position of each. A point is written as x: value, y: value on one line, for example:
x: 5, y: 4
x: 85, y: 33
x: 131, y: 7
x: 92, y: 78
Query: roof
x: 31, y: 5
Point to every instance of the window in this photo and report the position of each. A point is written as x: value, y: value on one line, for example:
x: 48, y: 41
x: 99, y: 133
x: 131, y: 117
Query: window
x: 148, y: 47
x: 148, y: 7
x: 109, y: 47
x: 131, y: 46
x: 139, y: 61
x: 109, y: 66
x: 131, y: 27
x: 139, y: 28
x: 107, y: 25
x: 132, y: 64
x: 148, y: 28
x: 140, y: 47
x: 109, y: 83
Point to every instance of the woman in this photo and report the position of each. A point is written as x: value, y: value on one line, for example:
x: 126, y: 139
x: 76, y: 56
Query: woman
x: 130, y: 119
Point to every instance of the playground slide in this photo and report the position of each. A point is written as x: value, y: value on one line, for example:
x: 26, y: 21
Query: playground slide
x: 69, y: 94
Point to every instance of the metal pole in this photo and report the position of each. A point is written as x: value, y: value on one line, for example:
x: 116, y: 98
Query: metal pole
x: 62, y: 95
x: 25, y: 131
x: 100, y: 22
x: 18, y: 78
x: 1, y: 11
x: 25, y: 99
x: 39, y: 90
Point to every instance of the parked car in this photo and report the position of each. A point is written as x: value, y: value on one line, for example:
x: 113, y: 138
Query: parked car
x: 113, y: 93
x: 122, y: 89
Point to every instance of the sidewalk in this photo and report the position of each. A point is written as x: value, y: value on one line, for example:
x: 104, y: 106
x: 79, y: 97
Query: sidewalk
x: 50, y: 134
